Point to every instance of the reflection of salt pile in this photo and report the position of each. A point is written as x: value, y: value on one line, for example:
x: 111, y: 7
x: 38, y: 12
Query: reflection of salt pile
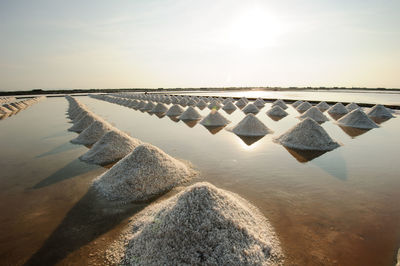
x: 175, y: 110
x: 280, y: 103
x: 113, y: 146
x: 358, y: 119
x: 303, y: 107
x: 202, y: 225
x: 229, y: 106
x: 338, y: 109
x: 143, y: 174
x: 190, y: 114
x: 250, y: 108
x: 214, y: 119
x: 315, y: 114
x: 93, y: 133
x: 297, y: 103
x: 379, y: 111
x: 277, y: 111
x: 352, y: 106
x: 159, y: 109
x: 307, y: 135
x: 323, y: 106
x: 251, y: 126
x: 84, y: 122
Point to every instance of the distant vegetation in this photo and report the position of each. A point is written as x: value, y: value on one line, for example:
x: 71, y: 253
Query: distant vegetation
x: 74, y: 91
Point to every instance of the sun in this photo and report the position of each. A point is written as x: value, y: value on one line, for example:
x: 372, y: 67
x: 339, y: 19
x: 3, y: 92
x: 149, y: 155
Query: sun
x: 255, y: 28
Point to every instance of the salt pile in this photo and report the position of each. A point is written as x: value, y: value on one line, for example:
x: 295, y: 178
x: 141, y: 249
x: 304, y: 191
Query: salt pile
x: 280, y: 103
x: 190, y: 114
x: 4, y: 110
x: 297, y: 103
x: 112, y: 147
x: 143, y: 174
x: 159, y: 109
x: 379, y: 111
x: 251, y: 126
x: 214, y: 105
x: 323, y: 106
x: 315, y: 114
x: 303, y: 107
x: 277, y: 111
x: 149, y: 106
x: 338, y: 109
x: 307, y: 135
x: 202, y: 225
x: 214, y: 119
x: 175, y: 110
x: 140, y: 105
x: 358, y: 119
x: 192, y: 102
x: 183, y: 102
x: 201, y: 104
x: 250, y: 108
x: 93, y: 133
x: 241, y: 103
x: 10, y: 107
x: 259, y: 103
x: 352, y: 106
x: 84, y: 122
x: 229, y: 106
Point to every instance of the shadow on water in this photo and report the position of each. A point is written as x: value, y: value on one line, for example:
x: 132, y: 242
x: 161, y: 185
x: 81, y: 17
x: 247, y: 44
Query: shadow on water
x: 214, y: 129
x: 61, y: 148
x: 190, y: 123
x: 74, y: 168
x: 91, y: 217
x: 380, y: 120
x: 304, y: 156
x: 174, y: 118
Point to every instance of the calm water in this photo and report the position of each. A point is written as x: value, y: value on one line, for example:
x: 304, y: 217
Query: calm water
x: 337, y: 209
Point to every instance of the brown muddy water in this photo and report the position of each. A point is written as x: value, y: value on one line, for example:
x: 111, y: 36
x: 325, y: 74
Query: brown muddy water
x: 340, y: 208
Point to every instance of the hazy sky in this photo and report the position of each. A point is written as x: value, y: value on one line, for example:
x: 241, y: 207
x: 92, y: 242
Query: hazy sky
x: 187, y: 43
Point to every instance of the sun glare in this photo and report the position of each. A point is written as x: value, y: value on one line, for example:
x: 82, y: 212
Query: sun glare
x: 255, y: 28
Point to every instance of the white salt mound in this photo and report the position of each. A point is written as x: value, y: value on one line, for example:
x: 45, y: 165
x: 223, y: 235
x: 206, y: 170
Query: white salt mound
x: 201, y: 104
x: 280, y: 103
x: 112, y: 147
x: 190, y: 114
x: 277, y: 111
x: 84, y: 122
x: 358, y: 119
x: 259, y: 103
x: 202, y: 225
x: 143, y: 174
x: 307, y: 135
x: 251, y: 108
x: 315, y: 114
x: 159, y: 109
x: 251, y: 126
x: 93, y: 133
x: 4, y: 110
x: 379, y: 111
x: 229, y: 106
x: 323, y: 106
x: 149, y: 106
x: 304, y: 107
x: 214, y: 105
x: 175, y: 110
x: 214, y: 118
x: 297, y: 103
x: 338, y: 109
x: 241, y: 103
x: 352, y: 106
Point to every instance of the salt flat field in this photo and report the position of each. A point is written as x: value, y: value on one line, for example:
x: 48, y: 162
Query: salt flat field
x: 333, y: 207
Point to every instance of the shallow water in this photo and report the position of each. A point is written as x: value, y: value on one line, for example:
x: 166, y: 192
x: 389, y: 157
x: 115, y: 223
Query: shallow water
x: 338, y: 209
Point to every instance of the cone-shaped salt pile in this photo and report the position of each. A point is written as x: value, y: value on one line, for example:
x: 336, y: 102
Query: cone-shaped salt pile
x: 183, y: 102
x: 190, y: 114
x: 214, y: 105
x: 143, y: 174
x: 352, y: 106
x: 297, y: 103
x: 93, y: 133
x: 201, y: 104
x: 315, y: 114
x: 229, y: 106
x: 308, y: 135
x: 84, y: 122
x: 113, y: 146
x: 159, y: 109
x: 250, y: 108
x: 214, y: 119
x: 259, y: 103
x: 241, y: 103
x: 379, y: 111
x: 251, y: 126
x: 338, y: 109
x: 358, y: 119
x: 175, y: 110
x: 140, y: 105
x: 202, y: 225
x: 4, y: 110
x: 149, y: 106
x: 10, y: 107
x: 277, y: 111
x: 323, y: 106
x: 280, y: 103
x: 303, y: 107
x: 192, y: 102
